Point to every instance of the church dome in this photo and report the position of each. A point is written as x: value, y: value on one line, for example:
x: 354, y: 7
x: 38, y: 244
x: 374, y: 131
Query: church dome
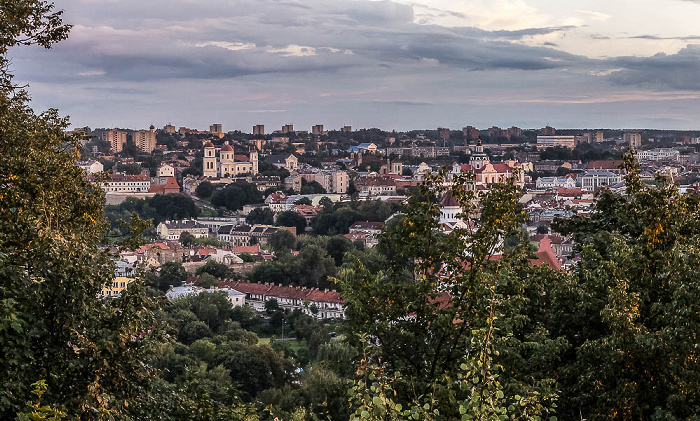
x: 226, y: 148
x: 208, y: 145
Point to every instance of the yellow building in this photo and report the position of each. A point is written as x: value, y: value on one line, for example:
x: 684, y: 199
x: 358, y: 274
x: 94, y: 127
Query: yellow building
x: 115, y: 289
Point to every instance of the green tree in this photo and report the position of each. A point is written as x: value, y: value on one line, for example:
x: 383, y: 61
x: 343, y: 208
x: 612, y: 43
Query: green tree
x: 216, y: 269
x: 171, y: 274
x: 304, y: 201
x: 236, y: 195
x: 282, y: 240
x: 262, y: 216
x: 187, y: 239
x: 128, y: 168
x: 204, y: 190
x: 311, y: 187
x: 474, y: 295
x: 52, y: 325
x: 631, y: 311
x: 291, y: 219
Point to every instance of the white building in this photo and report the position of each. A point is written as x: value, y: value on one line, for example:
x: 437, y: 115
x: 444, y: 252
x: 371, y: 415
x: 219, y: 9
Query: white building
x: 123, y: 183
x: 592, y: 180
x: 236, y: 298
x: 91, y: 166
x: 166, y: 170
x: 555, y: 182
x: 552, y: 141
x: 171, y: 230
x: 659, y: 154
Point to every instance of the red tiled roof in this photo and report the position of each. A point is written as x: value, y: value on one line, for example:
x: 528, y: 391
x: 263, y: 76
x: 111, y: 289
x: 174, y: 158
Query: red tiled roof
x: 247, y: 249
x: 448, y: 200
x: 272, y: 290
x: 604, y: 165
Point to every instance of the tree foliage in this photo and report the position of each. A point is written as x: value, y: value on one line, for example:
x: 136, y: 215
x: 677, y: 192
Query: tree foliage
x: 234, y: 196
x: 472, y: 292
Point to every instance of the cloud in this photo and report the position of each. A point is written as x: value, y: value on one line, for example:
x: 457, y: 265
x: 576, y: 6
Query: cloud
x: 680, y: 71
x: 594, y: 15
x: 659, y: 38
x: 132, y: 41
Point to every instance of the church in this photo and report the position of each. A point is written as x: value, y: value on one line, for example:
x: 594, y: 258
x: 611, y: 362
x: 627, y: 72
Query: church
x: 227, y: 163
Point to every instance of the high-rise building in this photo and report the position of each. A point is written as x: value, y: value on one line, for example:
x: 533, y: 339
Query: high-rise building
x: 116, y: 139
x: 444, y: 133
x: 470, y: 133
x: 548, y: 131
x: 259, y: 130
x: 495, y: 132
x: 145, y: 140
x: 516, y: 131
x: 216, y: 129
x: 346, y: 129
x: 599, y: 136
x: 287, y: 128
x: 169, y: 128
x: 634, y: 140
x: 317, y: 129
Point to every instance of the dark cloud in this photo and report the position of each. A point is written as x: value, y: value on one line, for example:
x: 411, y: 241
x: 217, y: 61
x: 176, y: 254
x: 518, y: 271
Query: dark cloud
x: 656, y: 37
x: 160, y: 39
x: 680, y: 71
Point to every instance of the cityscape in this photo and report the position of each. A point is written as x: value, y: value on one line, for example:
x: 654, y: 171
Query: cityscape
x: 334, y: 221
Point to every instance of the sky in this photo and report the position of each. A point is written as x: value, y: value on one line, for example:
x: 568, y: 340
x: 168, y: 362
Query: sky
x: 391, y: 64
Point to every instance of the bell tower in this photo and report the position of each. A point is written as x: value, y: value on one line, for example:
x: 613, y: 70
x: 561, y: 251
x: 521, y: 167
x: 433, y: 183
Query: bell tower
x: 209, y: 161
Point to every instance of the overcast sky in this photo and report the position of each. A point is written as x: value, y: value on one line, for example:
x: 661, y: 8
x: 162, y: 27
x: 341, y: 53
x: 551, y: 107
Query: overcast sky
x: 398, y: 64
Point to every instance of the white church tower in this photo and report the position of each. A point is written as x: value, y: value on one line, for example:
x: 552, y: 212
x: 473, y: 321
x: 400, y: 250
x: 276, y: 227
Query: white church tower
x: 209, y: 163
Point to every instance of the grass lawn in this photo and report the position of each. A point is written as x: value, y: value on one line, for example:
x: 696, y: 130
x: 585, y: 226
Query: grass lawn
x: 295, y: 345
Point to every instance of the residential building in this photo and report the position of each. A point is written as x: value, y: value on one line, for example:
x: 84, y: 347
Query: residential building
x: 116, y: 287
x: 346, y: 129
x: 554, y: 182
x: 287, y: 128
x: 236, y: 298
x: 317, y: 130
x: 166, y: 170
x: 333, y: 181
x: 548, y: 131
x: 470, y: 133
x: 376, y: 186
x: 495, y: 132
x: 259, y: 130
x: 171, y: 230
x: 170, y: 186
x: 115, y: 138
x: 605, y: 165
x: 216, y: 129
x: 123, y: 183
x: 290, y: 162
x: 322, y: 304
x: 364, y: 147
x: 365, y: 231
x: 169, y: 128
x: 145, y: 140
x: 659, y: 154
x: 634, y: 140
